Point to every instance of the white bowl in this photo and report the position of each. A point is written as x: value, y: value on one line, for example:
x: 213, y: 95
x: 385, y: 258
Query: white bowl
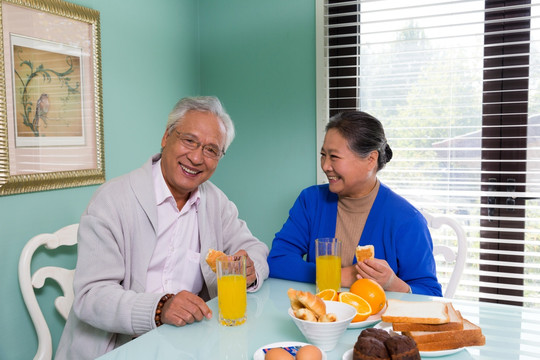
x: 325, y: 335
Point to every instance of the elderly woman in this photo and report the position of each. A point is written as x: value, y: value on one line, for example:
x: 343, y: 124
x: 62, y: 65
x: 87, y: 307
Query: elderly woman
x: 358, y: 209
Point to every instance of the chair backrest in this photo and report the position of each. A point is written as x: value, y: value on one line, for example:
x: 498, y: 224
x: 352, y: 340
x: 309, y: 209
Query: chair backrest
x: 456, y: 254
x: 66, y: 236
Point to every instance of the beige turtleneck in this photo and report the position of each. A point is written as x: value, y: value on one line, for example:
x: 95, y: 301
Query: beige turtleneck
x: 351, y: 218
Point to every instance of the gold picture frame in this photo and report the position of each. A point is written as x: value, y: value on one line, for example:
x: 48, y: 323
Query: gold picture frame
x: 51, y: 112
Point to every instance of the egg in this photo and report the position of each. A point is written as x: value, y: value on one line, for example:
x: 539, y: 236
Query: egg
x: 278, y: 354
x: 309, y: 352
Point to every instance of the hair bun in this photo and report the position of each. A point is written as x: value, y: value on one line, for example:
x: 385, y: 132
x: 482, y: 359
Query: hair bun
x: 388, y: 153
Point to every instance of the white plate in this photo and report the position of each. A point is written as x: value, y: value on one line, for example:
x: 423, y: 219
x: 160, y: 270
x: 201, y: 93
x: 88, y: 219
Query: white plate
x: 373, y: 319
x: 428, y: 354
x: 439, y: 353
x: 384, y: 325
x: 348, y: 355
x: 259, y: 354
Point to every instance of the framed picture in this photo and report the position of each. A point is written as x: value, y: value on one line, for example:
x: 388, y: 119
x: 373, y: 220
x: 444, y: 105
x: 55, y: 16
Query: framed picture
x: 51, y: 112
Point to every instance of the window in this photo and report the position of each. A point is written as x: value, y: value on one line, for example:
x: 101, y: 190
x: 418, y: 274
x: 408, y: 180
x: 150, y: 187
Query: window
x: 456, y: 85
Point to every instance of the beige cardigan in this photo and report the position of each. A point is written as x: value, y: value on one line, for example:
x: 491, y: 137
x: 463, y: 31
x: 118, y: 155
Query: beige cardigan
x: 115, y: 242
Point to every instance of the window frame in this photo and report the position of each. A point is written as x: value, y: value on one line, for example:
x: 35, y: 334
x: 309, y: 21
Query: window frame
x: 499, y: 177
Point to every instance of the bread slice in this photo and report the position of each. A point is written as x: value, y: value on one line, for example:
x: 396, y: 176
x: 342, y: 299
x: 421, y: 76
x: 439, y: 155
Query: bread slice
x: 364, y: 252
x: 452, y: 344
x: 455, y: 323
x: 423, y: 312
x: 470, y: 335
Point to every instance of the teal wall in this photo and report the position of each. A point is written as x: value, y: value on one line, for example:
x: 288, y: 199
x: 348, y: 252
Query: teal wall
x: 257, y: 56
x: 150, y: 58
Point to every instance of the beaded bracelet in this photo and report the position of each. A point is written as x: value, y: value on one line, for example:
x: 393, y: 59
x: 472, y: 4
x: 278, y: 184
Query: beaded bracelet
x: 160, y: 304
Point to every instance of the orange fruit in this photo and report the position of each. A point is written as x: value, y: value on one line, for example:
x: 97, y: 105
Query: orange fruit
x: 363, y: 309
x: 328, y: 294
x: 370, y: 291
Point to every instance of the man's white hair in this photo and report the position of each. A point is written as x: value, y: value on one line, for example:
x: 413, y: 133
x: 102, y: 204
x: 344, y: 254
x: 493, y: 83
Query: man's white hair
x: 202, y: 103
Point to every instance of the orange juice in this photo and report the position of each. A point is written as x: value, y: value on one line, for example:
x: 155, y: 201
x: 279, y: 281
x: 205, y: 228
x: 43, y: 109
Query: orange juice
x: 328, y: 270
x: 232, y: 299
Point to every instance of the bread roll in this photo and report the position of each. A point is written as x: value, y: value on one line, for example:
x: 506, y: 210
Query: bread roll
x: 211, y: 258
x: 307, y: 306
x: 295, y: 303
x: 328, y: 317
x: 305, y: 314
x: 312, y: 302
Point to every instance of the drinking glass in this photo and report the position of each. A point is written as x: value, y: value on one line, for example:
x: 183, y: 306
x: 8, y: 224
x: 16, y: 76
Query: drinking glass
x: 231, y: 282
x: 328, y: 263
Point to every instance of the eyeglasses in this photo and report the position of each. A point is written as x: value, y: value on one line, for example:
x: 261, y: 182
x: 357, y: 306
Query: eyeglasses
x: 210, y: 151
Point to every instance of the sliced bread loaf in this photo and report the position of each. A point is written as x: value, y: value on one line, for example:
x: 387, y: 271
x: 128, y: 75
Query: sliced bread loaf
x: 424, y: 312
x: 470, y: 335
x: 455, y: 323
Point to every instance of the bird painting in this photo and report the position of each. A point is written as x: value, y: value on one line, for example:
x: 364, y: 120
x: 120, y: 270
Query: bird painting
x: 42, y: 108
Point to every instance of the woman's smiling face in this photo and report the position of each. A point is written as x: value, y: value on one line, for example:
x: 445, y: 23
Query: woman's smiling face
x: 349, y: 175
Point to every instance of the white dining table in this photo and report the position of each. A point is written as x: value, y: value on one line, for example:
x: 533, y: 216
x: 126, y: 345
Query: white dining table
x: 512, y: 332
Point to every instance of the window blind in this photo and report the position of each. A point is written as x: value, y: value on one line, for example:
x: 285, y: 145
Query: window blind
x: 456, y: 85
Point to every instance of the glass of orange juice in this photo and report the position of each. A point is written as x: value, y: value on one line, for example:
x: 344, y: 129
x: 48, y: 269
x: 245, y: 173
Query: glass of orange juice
x: 328, y: 263
x: 231, y: 283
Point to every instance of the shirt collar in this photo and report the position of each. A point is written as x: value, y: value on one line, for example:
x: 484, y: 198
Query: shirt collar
x: 162, y: 192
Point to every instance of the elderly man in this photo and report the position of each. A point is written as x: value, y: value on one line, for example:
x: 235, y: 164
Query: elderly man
x: 144, y: 237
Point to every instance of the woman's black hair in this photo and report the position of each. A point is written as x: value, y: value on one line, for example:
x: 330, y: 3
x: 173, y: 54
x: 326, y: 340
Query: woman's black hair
x: 364, y: 133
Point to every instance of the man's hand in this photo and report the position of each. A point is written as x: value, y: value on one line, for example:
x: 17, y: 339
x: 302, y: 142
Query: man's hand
x: 184, y: 308
x: 251, y: 274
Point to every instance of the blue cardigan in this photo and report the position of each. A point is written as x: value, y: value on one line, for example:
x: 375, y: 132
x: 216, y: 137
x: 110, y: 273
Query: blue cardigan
x: 396, y: 229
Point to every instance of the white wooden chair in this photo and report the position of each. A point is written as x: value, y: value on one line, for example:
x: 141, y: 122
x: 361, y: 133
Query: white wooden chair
x: 66, y: 236
x: 456, y: 254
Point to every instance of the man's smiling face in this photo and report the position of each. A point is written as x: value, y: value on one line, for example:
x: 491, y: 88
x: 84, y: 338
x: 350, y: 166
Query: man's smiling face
x: 185, y: 169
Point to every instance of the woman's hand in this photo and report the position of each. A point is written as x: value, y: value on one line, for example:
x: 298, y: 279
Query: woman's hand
x: 348, y: 275
x: 381, y: 272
